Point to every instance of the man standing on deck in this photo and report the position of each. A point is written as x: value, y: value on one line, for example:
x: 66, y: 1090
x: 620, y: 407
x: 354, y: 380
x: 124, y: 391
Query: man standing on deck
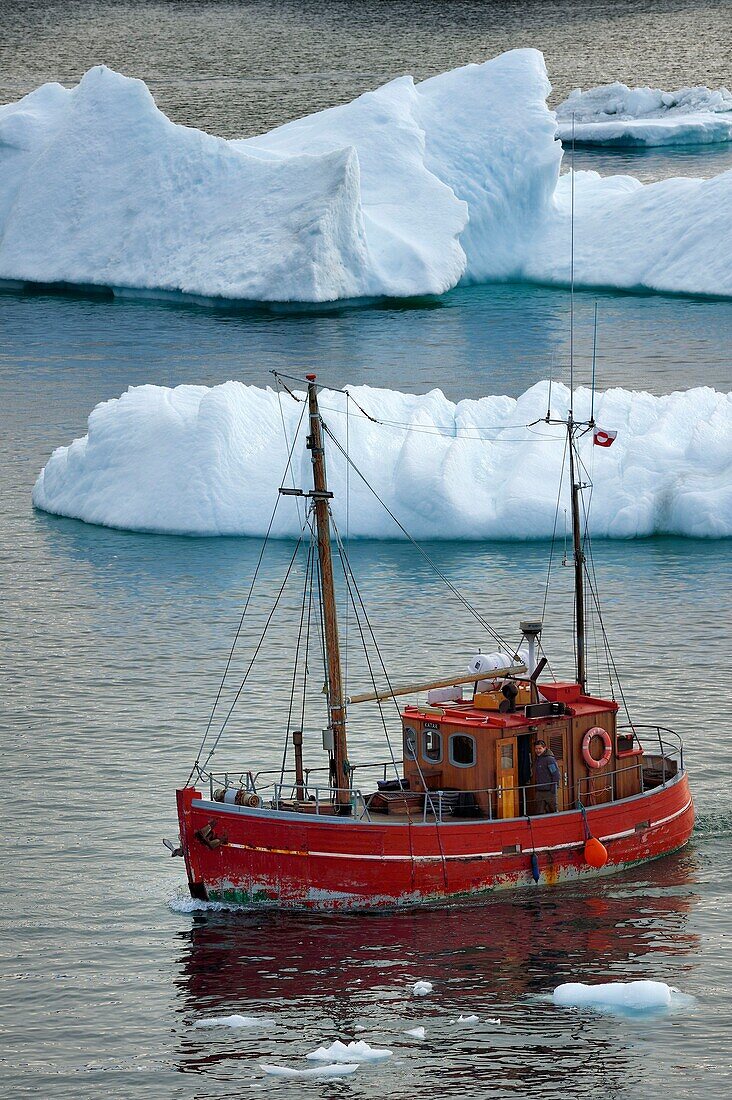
x: 546, y: 779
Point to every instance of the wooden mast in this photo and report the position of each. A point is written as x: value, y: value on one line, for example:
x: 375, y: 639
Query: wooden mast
x: 340, y: 768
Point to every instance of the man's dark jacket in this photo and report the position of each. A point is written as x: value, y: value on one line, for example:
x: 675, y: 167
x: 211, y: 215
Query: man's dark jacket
x: 546, y: 771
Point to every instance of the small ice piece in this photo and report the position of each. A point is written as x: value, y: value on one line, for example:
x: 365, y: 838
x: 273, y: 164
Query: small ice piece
x: 342, y: 1070
x: 493, y: 1020
x: 415, y: 1032
x: 234, y: 1020
x: 421, y: 988
x: 467, y: 1019
x: 615, y: 114
x: 636, y: 996
x: 349, y: 1052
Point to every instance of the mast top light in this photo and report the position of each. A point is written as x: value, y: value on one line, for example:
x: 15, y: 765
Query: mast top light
x: 311, y: 377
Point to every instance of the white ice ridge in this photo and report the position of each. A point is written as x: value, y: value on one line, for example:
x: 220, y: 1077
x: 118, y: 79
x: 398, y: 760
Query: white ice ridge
x: 615, y: 114
x: 630, y: 996
x: 208, y: 461
x: 334, y: 1070
x: 235, y: 1020
x: 407, y: 190
x: 349, y: 1052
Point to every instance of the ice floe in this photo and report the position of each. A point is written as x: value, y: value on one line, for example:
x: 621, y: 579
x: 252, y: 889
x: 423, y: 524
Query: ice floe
x: 466, y: 1020
x: 334, y: 1070
x: 235, y: 1020
x: 208, y: 461
x: 637, y: 996
x: 407, y: 190
x: 349, y: 1052
x: 422, y: 988
x: 615, y: 114
x: 415, y: 1032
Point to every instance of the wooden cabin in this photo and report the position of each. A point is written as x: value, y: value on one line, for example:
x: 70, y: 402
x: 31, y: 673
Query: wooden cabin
x: 481, y: 760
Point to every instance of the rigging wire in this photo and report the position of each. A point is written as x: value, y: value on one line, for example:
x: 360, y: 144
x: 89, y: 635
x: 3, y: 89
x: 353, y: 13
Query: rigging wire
x: 306, y: 669
x: 350, y: 586
x: 348, y: 535
x: 433, y: 565
x: 244, y: 611
x: 348, y: 572
x: 449, y: 430
x: 296, y: 663
x: 291, y: 449
x: 230, y: 711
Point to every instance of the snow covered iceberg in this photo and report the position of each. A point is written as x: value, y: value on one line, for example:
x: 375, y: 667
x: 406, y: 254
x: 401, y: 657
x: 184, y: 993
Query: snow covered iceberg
x: 408, y: 190
x: 208, y: 461
x: 615, y: 114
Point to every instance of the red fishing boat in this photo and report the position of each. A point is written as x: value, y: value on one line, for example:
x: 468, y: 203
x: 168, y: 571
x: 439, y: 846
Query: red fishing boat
x: 506, y: 779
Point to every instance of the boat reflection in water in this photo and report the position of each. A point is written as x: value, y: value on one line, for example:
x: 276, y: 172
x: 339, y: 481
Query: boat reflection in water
x: 345, y: 976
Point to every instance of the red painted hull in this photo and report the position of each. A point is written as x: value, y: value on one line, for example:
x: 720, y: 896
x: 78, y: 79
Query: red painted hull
x: 303, y: 861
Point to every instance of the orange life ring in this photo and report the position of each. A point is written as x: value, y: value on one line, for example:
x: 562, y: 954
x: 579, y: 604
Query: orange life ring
x: 596, y: 731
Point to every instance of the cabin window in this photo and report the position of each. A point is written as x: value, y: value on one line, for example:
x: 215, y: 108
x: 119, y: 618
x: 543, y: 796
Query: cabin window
x: 410, y: 743
x: 462, y: 750
x: 432, y: 744
x: 624, y: 743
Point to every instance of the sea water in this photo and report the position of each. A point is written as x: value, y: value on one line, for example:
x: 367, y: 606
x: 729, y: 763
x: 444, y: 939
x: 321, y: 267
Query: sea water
x: 114, y: 644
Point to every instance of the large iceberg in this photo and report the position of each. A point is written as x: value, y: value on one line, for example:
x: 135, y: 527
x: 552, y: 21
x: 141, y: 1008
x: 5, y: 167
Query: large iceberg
x: 209, y: 461
x: 615, y: 114
x: 408, y: 190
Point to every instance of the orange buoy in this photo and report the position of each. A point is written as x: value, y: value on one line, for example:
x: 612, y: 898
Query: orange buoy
x: 595, y: 852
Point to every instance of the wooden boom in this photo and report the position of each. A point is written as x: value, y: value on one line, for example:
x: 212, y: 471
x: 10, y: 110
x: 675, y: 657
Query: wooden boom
x: 448, y: 681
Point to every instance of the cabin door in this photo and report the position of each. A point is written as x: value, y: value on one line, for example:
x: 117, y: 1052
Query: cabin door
x: 507, y: 777
x: 556, y: 739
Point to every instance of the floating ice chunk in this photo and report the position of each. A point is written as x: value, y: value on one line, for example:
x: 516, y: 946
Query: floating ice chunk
x: 349, y: 1052
x: 467, y: 1020
x: 615, y: 114
x: 493, y: 1020
x: 334, y: 1070
x: 408, y: 190
x: 234, y: 1020
x: 635, y: 996
x: 208, y: 461
x: 415, y: 1032
x: 421, y: 988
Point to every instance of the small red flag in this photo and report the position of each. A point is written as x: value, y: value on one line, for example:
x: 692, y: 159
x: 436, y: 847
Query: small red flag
x: 601, y: 438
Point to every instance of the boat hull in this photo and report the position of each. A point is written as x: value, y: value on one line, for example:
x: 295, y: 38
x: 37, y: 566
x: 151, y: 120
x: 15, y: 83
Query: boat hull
x: 290, y: 860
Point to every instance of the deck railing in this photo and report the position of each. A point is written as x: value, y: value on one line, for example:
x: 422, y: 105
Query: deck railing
x: 666, y: 761
x: 321, y: 799
x: 263, y: 782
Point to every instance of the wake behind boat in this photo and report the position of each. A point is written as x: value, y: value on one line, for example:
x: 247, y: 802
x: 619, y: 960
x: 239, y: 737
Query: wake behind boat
x: 505, y: 779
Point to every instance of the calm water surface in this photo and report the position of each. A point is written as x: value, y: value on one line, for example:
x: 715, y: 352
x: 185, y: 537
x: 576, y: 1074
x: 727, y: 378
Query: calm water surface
x: 113, y: 644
